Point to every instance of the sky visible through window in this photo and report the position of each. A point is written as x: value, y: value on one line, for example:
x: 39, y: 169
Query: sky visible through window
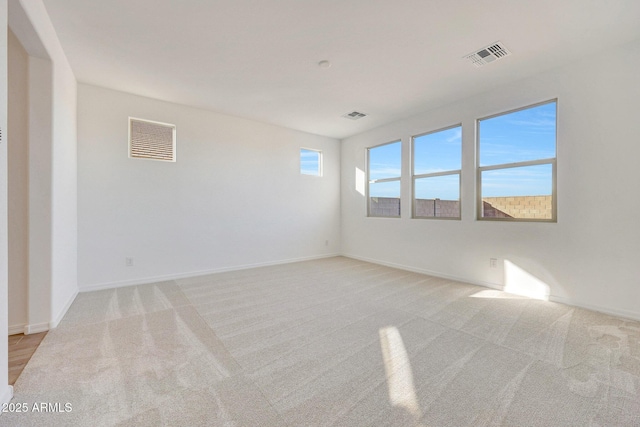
x: 385, y: 162
x: 524, y: 135
x: 521, y: 136
x: 438, y: 151
x: 310, y: 162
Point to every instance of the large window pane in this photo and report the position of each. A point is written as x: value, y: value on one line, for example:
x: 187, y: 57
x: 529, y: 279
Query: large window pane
x: 516, y: 164
x: 521, y: 136
x: 437, y: 160
x: 519, y: 192
x: 437, y: 151
x: 385, y: 161
x: 437, y: 196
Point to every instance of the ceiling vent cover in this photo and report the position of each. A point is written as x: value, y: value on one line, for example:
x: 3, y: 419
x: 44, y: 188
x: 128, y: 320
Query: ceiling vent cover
x: 152, y: 140
x: 354, y: 115
x: 488, y: 54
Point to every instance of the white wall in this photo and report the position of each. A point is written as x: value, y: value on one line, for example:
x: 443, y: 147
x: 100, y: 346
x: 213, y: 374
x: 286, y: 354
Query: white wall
x: 5, y: 390
x: 590, y: 256
x: 234, y: 198
x: 18, y: 188
x: 52, y: 167
x: 64, y: 207
x: 40, y: 193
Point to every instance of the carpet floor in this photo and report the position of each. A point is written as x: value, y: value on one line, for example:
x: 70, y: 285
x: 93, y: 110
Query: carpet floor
x: 331, y: 342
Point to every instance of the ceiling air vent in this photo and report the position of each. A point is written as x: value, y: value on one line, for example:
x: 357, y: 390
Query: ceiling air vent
x: 488, y: 54
x: 354, y: 115
x: 152, y: 140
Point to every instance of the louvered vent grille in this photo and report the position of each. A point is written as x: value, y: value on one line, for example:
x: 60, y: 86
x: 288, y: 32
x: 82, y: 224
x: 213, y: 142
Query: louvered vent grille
x: 354, y: 115
x: 152, y: 140
x: 488, y: 54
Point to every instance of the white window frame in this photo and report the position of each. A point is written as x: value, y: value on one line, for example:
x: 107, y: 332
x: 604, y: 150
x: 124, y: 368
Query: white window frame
x: 320, y: 162
x: 376, y: 181
x: 548, y: 161
x: 415, y: 177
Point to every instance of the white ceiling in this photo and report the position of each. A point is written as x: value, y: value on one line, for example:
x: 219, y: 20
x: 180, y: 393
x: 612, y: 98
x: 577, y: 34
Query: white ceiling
x: 390, y: 59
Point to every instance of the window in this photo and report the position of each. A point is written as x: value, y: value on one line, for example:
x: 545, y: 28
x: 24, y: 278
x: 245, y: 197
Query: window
x: 152, y: 140
x: 437, y: 160
x: 310, y: 162
x: 517, y: 165
x: 384, y: 165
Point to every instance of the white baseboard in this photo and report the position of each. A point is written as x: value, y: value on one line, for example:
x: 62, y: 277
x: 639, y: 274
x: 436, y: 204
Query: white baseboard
x: 153, y: 279
x: 42, y: 327
x: 56, y: 321
x: 427, y: 272
x: 36, y: 328
x: 554, y: 298
x: 17, y: 329
x: 633, y: 315
x: 6, y: 395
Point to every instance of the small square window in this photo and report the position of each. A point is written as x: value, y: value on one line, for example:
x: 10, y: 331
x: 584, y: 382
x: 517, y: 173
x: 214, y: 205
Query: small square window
x: 310, y: 162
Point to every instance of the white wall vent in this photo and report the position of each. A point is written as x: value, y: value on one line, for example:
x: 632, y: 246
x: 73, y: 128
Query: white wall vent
x: 488, y: 54
x: 354, y: 115
x: 152, y: 140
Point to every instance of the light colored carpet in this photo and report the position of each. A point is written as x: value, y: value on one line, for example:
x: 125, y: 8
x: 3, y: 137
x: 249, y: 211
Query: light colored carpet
x: 332, y: 342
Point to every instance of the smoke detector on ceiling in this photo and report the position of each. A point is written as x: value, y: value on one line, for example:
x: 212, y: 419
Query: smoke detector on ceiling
x: 354, y: 115
x: 488, y: 54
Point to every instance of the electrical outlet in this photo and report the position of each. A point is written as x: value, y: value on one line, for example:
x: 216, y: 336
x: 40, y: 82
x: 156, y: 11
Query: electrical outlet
x: 326, y: 243
x: 128, y: 262
x: 493, y: 263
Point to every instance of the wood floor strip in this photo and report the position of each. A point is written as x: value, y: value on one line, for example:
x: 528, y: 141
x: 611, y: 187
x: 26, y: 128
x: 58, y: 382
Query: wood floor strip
x: 21, y: 348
